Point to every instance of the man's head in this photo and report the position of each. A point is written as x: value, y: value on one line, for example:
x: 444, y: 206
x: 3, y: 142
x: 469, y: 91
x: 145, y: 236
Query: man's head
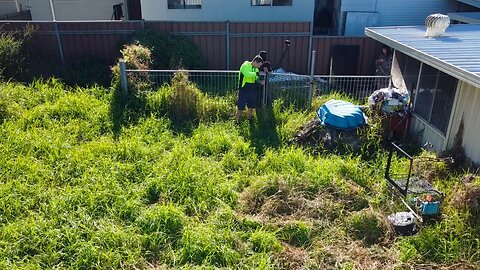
x: 257, y: 61
x: 263, y: 54
x: 386, y: 50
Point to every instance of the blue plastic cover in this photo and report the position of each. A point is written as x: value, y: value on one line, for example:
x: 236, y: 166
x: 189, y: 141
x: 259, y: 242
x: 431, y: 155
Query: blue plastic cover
x: 341, y: 115
x: 430, y: 208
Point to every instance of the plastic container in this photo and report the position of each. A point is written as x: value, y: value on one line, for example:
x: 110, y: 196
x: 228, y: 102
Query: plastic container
x: 430, y: 208
x: 403, y: 223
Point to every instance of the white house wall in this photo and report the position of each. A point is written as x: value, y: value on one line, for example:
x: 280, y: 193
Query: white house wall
x: 425, y: 133
x: 467, y: 106
x: 397, y: 12
x: 411, y: 12
x: 358, y: 5
x: 233, y: 10
x: 73, y: 10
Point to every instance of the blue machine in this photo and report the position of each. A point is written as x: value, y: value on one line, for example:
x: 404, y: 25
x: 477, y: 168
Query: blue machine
x: 341, y: 115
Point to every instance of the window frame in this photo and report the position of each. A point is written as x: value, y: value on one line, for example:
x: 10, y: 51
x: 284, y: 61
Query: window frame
x: 438, y: 74
x: 272, y: 4
x: 184, y: 6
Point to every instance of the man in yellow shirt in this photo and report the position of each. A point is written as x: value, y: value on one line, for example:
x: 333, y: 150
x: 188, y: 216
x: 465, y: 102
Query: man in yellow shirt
x: 246, y: 86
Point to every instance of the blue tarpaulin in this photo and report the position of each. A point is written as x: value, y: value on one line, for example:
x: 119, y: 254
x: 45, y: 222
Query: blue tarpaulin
x: 341, y: 115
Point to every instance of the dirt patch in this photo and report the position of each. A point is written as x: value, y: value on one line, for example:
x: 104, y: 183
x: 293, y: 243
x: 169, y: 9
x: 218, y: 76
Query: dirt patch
x: 354, y: 255
x: 294, y: 258
x: 250, y: 201
x: 282, y: 206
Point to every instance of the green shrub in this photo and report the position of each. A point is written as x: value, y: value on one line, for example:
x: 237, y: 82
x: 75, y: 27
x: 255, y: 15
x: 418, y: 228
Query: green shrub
x: 12, y: 50
x: 170, y: 51
x: 184, y: 99
x: 136, y: 57
x: 366, y: 226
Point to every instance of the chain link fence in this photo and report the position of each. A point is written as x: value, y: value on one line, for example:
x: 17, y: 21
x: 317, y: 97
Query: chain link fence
x: 291, y: 88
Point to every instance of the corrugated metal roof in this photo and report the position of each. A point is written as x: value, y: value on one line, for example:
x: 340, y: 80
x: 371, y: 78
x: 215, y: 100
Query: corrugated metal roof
x: 475, y: 3
x: 465, y: 17
x: 456, y: 53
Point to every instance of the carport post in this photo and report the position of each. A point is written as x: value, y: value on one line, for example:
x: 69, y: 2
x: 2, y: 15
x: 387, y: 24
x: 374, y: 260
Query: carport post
x: 123, y: 76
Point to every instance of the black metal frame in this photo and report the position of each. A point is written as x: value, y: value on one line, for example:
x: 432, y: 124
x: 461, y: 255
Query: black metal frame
x: 395, y: 182
x: 387, y: 170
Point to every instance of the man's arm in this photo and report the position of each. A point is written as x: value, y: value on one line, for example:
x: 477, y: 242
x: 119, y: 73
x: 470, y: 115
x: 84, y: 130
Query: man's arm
x: 247, y: 73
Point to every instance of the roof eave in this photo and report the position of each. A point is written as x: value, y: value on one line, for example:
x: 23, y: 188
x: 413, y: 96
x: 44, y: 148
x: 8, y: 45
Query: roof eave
x: 443, y: 66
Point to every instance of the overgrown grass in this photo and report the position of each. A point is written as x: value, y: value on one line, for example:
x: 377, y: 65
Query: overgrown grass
x: 91, y: 179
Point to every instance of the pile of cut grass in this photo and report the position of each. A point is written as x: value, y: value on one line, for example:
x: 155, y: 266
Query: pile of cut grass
x: 89, y: 179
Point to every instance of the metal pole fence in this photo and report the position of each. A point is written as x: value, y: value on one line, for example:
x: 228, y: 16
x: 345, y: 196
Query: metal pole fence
x: 59, y: 42
x: 356, y: 87
x: 212, y: 82
x: 291, y: 89
x: 123, y: 76
x: 312, y: 81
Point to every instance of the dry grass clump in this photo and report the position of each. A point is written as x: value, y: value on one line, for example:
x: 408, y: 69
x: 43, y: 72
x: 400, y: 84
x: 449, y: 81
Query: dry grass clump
x: 368, y: 227
x: 343, y: 254
x: 466, y: 197
x: 294, y: 258
x: 426, y: 166
x: 275, y: 198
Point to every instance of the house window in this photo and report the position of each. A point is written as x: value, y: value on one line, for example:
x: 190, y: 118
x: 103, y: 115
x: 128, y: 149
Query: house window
x: 434, y: 98
x: 271, y: 2
x: 412, y: 67
x: 184, y: 4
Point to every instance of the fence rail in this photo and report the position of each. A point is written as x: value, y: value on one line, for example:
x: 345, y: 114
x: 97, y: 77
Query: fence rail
x: 224, y: 45
x: 23, y: 15
x: 291, y: 88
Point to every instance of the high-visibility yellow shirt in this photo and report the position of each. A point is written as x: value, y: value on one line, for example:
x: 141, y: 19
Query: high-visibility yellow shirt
x: 248, y: 73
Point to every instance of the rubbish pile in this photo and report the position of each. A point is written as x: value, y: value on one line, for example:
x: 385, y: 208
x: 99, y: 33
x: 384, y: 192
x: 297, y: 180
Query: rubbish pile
x: 396, y: 106
x: 280, y: 75
x: 389, y: 101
